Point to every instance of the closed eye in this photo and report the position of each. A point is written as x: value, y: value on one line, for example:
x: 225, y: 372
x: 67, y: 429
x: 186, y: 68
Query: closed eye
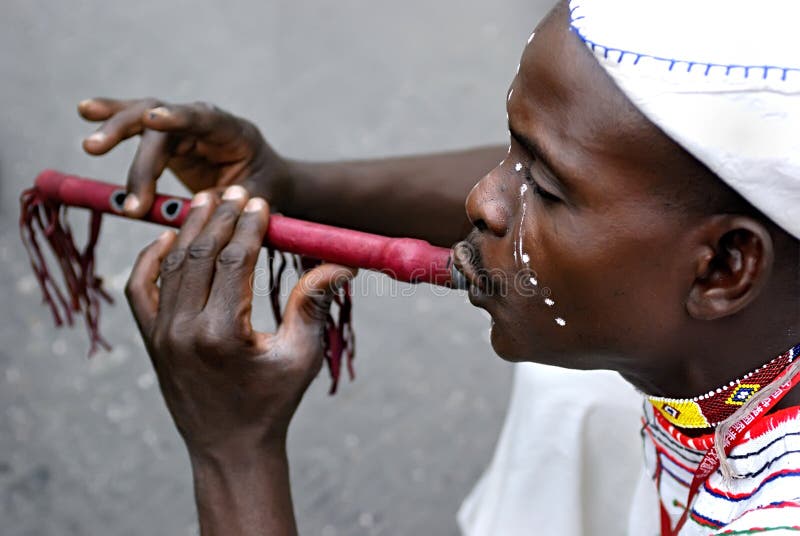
x: 538, y: 190
x: 544, y: 194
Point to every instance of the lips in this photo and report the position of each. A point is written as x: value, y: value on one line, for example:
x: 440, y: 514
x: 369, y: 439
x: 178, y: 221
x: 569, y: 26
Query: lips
x: 464, y: 257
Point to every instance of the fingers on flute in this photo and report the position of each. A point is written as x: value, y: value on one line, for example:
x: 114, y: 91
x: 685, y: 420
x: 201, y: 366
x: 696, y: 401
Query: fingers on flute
x: 142, y: 289
x: 172, y: 265
x: 150, y: 160
x: 231, y: 294
x: 122, y: 119
x: 201, y: 258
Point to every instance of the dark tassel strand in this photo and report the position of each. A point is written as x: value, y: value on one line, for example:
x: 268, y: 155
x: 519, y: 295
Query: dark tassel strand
x: 82, y: 291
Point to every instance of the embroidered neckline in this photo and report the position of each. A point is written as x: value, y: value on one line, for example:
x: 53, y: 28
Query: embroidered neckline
x: 709, y: 409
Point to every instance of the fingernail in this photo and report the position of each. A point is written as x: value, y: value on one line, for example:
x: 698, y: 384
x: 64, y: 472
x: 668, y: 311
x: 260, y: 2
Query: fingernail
x: 165, y: 235
x: 84, y: 103
x: 161, y: 111
x: 234, y: 193
x: 97, y: 137
x: 255, y: 204
x: 131, y: 203
x: 201, y: 199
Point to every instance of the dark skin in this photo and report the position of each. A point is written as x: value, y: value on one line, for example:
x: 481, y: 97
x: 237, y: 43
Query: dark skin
x: 678, y: 299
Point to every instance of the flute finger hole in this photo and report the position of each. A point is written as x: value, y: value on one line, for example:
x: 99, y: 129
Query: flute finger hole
x: 171, y: 209
x: 117, y: 200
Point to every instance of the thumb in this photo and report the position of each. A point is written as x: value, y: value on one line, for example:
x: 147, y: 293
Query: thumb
x: 308, y: 304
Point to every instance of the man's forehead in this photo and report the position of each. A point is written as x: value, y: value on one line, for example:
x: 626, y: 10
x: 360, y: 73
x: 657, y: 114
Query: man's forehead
x: 556, y: 80
x: 556, y: 58
x: 568, y: 106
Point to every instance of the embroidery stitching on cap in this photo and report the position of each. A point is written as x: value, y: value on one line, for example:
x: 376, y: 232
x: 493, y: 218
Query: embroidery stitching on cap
x: 598, y: 48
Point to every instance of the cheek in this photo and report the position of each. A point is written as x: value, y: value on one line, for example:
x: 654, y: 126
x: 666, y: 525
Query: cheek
x: 612, y: 296
x: 561, y: 291
x: 525, y: 330
x: 532, y: 318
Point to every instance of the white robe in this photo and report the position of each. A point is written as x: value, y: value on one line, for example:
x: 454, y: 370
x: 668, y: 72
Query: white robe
x: 568, y: 459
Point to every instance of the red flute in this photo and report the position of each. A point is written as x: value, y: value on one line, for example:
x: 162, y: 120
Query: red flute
x: 404, y: 259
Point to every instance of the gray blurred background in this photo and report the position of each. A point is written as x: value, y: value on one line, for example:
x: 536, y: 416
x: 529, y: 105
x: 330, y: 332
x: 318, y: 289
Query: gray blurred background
x: 86, y: 446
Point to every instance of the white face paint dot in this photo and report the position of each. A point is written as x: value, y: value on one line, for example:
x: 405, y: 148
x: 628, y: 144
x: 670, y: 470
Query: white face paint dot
x: 533, y: 281
x: 561, y: 322
x: 518, y: 167
x: 525, y: 257
x: 523, y: 188
x: 549, y: 302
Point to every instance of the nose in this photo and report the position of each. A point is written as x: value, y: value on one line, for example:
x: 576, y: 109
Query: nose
x: 488, y: 206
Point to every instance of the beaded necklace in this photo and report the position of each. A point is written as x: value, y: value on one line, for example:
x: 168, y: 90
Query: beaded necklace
x: 712, y: 408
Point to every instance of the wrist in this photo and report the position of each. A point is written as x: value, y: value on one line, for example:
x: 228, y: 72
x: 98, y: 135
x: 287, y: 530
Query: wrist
x: 243, y: 493
x: 300, y: 184
x: 237, y: 455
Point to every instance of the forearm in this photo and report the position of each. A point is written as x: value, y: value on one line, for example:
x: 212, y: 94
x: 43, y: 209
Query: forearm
x: 244, y: 495
x: 416, y: 196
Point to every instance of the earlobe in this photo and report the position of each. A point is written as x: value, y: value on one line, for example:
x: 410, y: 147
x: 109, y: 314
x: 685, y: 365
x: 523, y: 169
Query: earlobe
x: 732, y: 268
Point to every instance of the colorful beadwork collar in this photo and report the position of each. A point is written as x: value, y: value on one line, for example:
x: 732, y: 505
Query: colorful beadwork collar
x: 712, y: 408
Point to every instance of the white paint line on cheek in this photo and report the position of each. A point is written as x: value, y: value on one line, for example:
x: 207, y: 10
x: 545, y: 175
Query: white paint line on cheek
x: 561, y: 322
x: 518, y: 253
x: 518, y: 67
x: 531, y: 37
x: 549, y: 302
x: 510, y: 93
x: 518, y: 167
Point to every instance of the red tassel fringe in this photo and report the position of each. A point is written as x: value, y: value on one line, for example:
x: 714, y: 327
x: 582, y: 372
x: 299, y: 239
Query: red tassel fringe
x: 82, y: 290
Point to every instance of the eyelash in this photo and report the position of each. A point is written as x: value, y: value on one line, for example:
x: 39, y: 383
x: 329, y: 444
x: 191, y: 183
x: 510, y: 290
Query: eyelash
x: 538, y: 190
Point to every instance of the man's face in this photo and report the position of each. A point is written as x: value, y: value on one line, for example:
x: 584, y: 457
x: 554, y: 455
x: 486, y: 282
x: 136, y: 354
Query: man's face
x: 571, y: 220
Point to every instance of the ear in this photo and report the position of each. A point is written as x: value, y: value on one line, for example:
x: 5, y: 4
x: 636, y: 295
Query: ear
x: 733, y: 267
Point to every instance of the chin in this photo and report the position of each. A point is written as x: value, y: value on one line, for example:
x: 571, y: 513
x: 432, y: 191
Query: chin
x: 521, y: 350
x: 505, y: 346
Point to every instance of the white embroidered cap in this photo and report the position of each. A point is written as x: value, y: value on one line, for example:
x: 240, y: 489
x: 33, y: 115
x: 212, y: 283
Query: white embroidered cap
x: 720, y: 77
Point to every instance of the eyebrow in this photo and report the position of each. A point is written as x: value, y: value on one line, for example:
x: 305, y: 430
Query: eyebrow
x: 536, y: 150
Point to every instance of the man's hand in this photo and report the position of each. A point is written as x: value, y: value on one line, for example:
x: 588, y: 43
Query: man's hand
x: 231, y: 390
x: 205, y: 147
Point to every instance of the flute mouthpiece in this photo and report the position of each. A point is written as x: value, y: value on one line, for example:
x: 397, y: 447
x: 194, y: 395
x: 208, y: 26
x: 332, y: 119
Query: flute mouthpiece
x: 458, y: 280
